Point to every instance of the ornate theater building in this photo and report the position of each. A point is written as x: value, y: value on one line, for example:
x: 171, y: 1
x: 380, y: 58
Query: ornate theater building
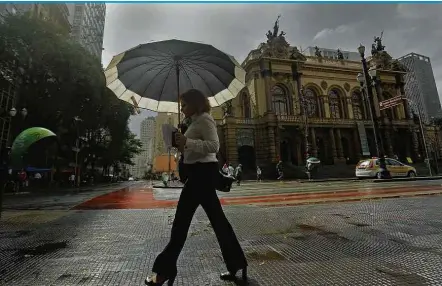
x: 295, y: 104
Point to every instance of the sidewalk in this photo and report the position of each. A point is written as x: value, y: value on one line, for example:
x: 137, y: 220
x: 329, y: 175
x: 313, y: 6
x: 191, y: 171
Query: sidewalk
x: 30, y: 191
x: 386, y: 242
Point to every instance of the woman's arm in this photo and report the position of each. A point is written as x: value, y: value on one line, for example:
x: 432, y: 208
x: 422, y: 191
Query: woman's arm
x: 210, y: 142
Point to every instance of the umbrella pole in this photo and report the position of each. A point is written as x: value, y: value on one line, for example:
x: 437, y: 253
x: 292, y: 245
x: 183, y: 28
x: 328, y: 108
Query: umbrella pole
x: 177, y: 71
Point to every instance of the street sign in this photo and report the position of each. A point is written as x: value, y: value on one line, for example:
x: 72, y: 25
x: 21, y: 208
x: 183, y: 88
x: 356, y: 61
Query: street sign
x: 389, y: 103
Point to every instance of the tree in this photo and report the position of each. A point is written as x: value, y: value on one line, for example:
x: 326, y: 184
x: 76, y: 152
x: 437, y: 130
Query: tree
x: 59, y: 82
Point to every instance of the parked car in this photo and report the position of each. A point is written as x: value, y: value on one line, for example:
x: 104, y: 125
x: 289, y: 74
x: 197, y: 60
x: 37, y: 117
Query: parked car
x: 131, y: 179
x: 369, y: 168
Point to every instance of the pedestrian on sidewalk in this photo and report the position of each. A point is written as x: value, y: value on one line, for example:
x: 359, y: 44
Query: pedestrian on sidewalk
x: 238, y: 174
x: 199, y: 144
x: 258, y: 174
x: 280, y: 170
x: 231, y: 170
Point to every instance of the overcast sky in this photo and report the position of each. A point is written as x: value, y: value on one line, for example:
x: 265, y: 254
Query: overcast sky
x: 239, y: 28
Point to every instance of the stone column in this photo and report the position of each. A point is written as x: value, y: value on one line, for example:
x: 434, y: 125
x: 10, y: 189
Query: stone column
x: 231, y: 145
x: 312, y: 142
x: 272, y: 144
x: 299, y: 153
x: 265, y: 74
x: 339, y: 144
x: 333, y: 143
x: 388, y: 144
x: 357, y: 144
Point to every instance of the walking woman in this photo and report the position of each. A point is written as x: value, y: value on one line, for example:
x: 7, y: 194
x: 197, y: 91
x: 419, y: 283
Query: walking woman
x: 199, y: 144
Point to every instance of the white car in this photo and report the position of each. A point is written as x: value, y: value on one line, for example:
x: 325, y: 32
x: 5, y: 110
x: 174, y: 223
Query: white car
x: 131, y: 179
x: 369, y: 168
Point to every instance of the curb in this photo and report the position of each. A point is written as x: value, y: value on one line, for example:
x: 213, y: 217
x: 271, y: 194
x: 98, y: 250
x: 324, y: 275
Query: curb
x: 408, y: 179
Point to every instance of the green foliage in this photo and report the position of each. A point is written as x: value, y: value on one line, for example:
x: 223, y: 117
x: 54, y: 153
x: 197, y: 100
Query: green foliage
x: 57, y: 81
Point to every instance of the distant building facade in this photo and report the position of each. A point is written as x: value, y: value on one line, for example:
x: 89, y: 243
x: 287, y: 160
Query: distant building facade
x: 162, y: 118
x: 420, y: 85
x: 87, y: 21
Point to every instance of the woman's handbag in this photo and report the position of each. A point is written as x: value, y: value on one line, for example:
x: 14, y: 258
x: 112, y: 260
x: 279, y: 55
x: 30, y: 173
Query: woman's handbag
x: 224, y: 182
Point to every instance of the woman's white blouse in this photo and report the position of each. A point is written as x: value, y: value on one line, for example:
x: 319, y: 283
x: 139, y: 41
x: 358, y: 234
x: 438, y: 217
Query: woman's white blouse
x: 202, y: 140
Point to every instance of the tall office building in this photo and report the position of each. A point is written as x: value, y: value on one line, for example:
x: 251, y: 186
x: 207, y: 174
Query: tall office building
x: 147, y: 136
x: 87, y: 20
x: 55, y: 13
x: 332, y: 53
x: 420, y: 85
x: 162, y: 118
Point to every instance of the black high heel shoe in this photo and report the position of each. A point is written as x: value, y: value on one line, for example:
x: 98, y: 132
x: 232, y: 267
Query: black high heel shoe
x: 229, y: 276
x: 157, y: 280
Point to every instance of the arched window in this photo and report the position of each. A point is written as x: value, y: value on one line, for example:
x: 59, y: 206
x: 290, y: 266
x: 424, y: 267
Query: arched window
x: 280, y: 102
x: 334, y: 102
x: 358, y: 105
x: 245, y: 102
x: 310, y: 102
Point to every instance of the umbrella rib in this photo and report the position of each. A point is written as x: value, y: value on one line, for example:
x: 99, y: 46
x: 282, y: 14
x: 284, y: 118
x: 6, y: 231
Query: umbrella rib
x: 187, y: 74
x: 208, y: 87
x: 164, y: 84
x: 225, y: 87
x: 138, y: 65
x: 153, y: 78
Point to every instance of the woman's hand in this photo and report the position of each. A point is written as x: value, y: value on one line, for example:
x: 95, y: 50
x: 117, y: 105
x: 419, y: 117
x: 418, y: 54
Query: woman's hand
x: 180, y: 140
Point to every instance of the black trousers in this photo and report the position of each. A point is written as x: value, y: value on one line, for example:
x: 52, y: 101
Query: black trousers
x: 200, y: 190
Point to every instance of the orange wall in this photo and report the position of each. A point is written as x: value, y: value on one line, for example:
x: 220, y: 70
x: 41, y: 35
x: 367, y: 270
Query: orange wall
x: 161, y: 164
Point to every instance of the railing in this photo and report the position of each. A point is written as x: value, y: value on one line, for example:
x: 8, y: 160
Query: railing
x: 300, y: 119
x: 333, y: 62
x: 316, y: 120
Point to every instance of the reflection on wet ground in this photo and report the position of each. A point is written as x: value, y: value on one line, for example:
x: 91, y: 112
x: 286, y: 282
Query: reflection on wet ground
x: 142, y: 196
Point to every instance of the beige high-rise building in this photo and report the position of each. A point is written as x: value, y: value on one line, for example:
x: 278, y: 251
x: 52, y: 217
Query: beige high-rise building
x: 162, y: 118
x: 147, y: 136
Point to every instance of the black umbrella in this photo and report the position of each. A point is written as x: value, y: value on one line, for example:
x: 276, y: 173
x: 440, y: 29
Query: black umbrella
x: 152, y: 76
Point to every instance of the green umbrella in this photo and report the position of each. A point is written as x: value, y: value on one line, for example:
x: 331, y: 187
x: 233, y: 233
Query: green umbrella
x: 24, y: 140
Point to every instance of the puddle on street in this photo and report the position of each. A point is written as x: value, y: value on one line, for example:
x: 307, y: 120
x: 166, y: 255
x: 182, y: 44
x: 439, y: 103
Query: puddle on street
x: 264, y: 256
x: 42, y: 249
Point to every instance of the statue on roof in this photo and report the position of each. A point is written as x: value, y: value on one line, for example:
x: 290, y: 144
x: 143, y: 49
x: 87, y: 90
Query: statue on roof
x: 318, y: 52
x: 378, y: 42
x: 276, y: 27
x: 340, y: 55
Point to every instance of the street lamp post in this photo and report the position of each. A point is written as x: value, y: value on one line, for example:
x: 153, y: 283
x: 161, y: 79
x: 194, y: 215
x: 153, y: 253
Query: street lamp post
x: 384, y: 173
x: 360, y: 78
x: 305, y: 111
x: 77, y: 150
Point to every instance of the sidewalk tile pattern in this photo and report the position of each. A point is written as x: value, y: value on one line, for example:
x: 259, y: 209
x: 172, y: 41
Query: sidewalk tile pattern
x: 385, y: 242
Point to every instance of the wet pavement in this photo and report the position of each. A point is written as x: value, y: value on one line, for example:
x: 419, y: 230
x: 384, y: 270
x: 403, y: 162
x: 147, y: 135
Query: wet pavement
x: 143, y: 196
x: 373, y: 242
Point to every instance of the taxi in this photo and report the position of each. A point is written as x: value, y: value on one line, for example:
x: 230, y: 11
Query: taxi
x: 369, y: 168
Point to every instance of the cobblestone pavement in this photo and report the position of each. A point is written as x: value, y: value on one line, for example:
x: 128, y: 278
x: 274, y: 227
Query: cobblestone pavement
x: 381, y: 242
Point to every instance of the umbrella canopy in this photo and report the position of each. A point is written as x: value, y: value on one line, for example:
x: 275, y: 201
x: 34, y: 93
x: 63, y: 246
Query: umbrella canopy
x: 313, y: 160
x: 24, y: 140
x: 153, y: 75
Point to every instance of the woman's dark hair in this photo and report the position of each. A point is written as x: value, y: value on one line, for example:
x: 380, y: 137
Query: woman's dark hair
x: 196, y: 100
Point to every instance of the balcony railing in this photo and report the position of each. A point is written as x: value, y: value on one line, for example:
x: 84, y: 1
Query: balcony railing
x: 333, y: 62
x: 287, y: 119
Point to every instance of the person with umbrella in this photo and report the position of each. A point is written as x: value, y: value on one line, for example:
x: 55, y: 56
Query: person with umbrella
x: 160, y: 76
x: 199, y: 145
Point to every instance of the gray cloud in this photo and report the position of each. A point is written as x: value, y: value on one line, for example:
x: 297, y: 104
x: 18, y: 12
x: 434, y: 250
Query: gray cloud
x: 238, y: 28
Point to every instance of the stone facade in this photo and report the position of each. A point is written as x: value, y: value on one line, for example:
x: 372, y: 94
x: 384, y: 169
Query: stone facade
x: 295, y: 104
